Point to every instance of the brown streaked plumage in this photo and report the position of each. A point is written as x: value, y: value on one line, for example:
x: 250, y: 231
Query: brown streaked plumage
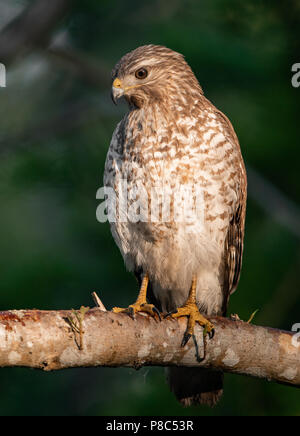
x: 173, y: 137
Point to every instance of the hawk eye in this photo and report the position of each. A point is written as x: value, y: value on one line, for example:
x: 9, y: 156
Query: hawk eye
x: 142, y: 73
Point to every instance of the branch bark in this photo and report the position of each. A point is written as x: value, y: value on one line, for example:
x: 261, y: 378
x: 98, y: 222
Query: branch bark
x: 53, y: 340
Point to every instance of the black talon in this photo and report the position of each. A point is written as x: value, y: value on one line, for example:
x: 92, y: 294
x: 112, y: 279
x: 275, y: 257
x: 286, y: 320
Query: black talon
x: 131, y: 312
x: 211, y: 334
x: 199, y: 359
x: 155, y: 310
x: 170, y: 313
x: 186, y: 338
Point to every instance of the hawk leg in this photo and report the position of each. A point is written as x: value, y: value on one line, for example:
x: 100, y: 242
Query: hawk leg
x: 190, y: 309
x: 141, y: 304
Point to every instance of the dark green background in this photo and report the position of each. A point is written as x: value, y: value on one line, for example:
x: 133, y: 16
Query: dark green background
x: 56, y: 125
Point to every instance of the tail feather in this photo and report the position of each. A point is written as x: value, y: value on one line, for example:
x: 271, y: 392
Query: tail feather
x: 194, y: 386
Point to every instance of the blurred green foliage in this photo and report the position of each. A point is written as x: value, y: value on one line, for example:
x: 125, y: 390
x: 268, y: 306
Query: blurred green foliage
x: 55, y: 131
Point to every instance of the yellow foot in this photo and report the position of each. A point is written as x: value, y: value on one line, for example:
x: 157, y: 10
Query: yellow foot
x: 141, y: 304
x: 136, y: 308
x: 190, y: 309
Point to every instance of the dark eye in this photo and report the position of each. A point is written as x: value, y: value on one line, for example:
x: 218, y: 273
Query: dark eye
x: 142, y: 73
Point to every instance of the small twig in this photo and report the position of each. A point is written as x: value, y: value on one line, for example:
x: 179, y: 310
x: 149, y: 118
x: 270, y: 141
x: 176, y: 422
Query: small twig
x: 77, y: 324
x: 235, y: 317
x: 98, y: 302
x: 252, y: 316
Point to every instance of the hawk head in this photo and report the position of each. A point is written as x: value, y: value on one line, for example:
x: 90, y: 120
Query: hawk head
x: 152, y: 73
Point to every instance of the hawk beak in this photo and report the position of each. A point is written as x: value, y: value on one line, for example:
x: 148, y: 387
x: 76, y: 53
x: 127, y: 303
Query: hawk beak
x: 117, y: 90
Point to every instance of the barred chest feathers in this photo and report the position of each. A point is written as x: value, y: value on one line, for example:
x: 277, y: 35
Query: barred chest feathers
x: 154, y: 152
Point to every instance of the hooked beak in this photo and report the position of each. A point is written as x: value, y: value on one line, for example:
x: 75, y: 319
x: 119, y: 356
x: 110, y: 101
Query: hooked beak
x: 117, y: 90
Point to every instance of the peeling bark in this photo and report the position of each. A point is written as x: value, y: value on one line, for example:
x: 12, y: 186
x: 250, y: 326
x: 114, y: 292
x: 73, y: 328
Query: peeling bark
x: 47, y: 340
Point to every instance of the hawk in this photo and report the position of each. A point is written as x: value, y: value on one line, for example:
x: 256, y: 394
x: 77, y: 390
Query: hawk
x: 173, y: 137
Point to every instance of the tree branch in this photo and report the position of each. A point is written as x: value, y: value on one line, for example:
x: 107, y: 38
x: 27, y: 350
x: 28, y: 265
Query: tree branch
x: 32, y: 27
x: 274, y: 202
x: 54, y: 340
x: 94, y: 72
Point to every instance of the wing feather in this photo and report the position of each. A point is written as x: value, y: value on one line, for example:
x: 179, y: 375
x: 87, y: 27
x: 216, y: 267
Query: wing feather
x: 234, y: 243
